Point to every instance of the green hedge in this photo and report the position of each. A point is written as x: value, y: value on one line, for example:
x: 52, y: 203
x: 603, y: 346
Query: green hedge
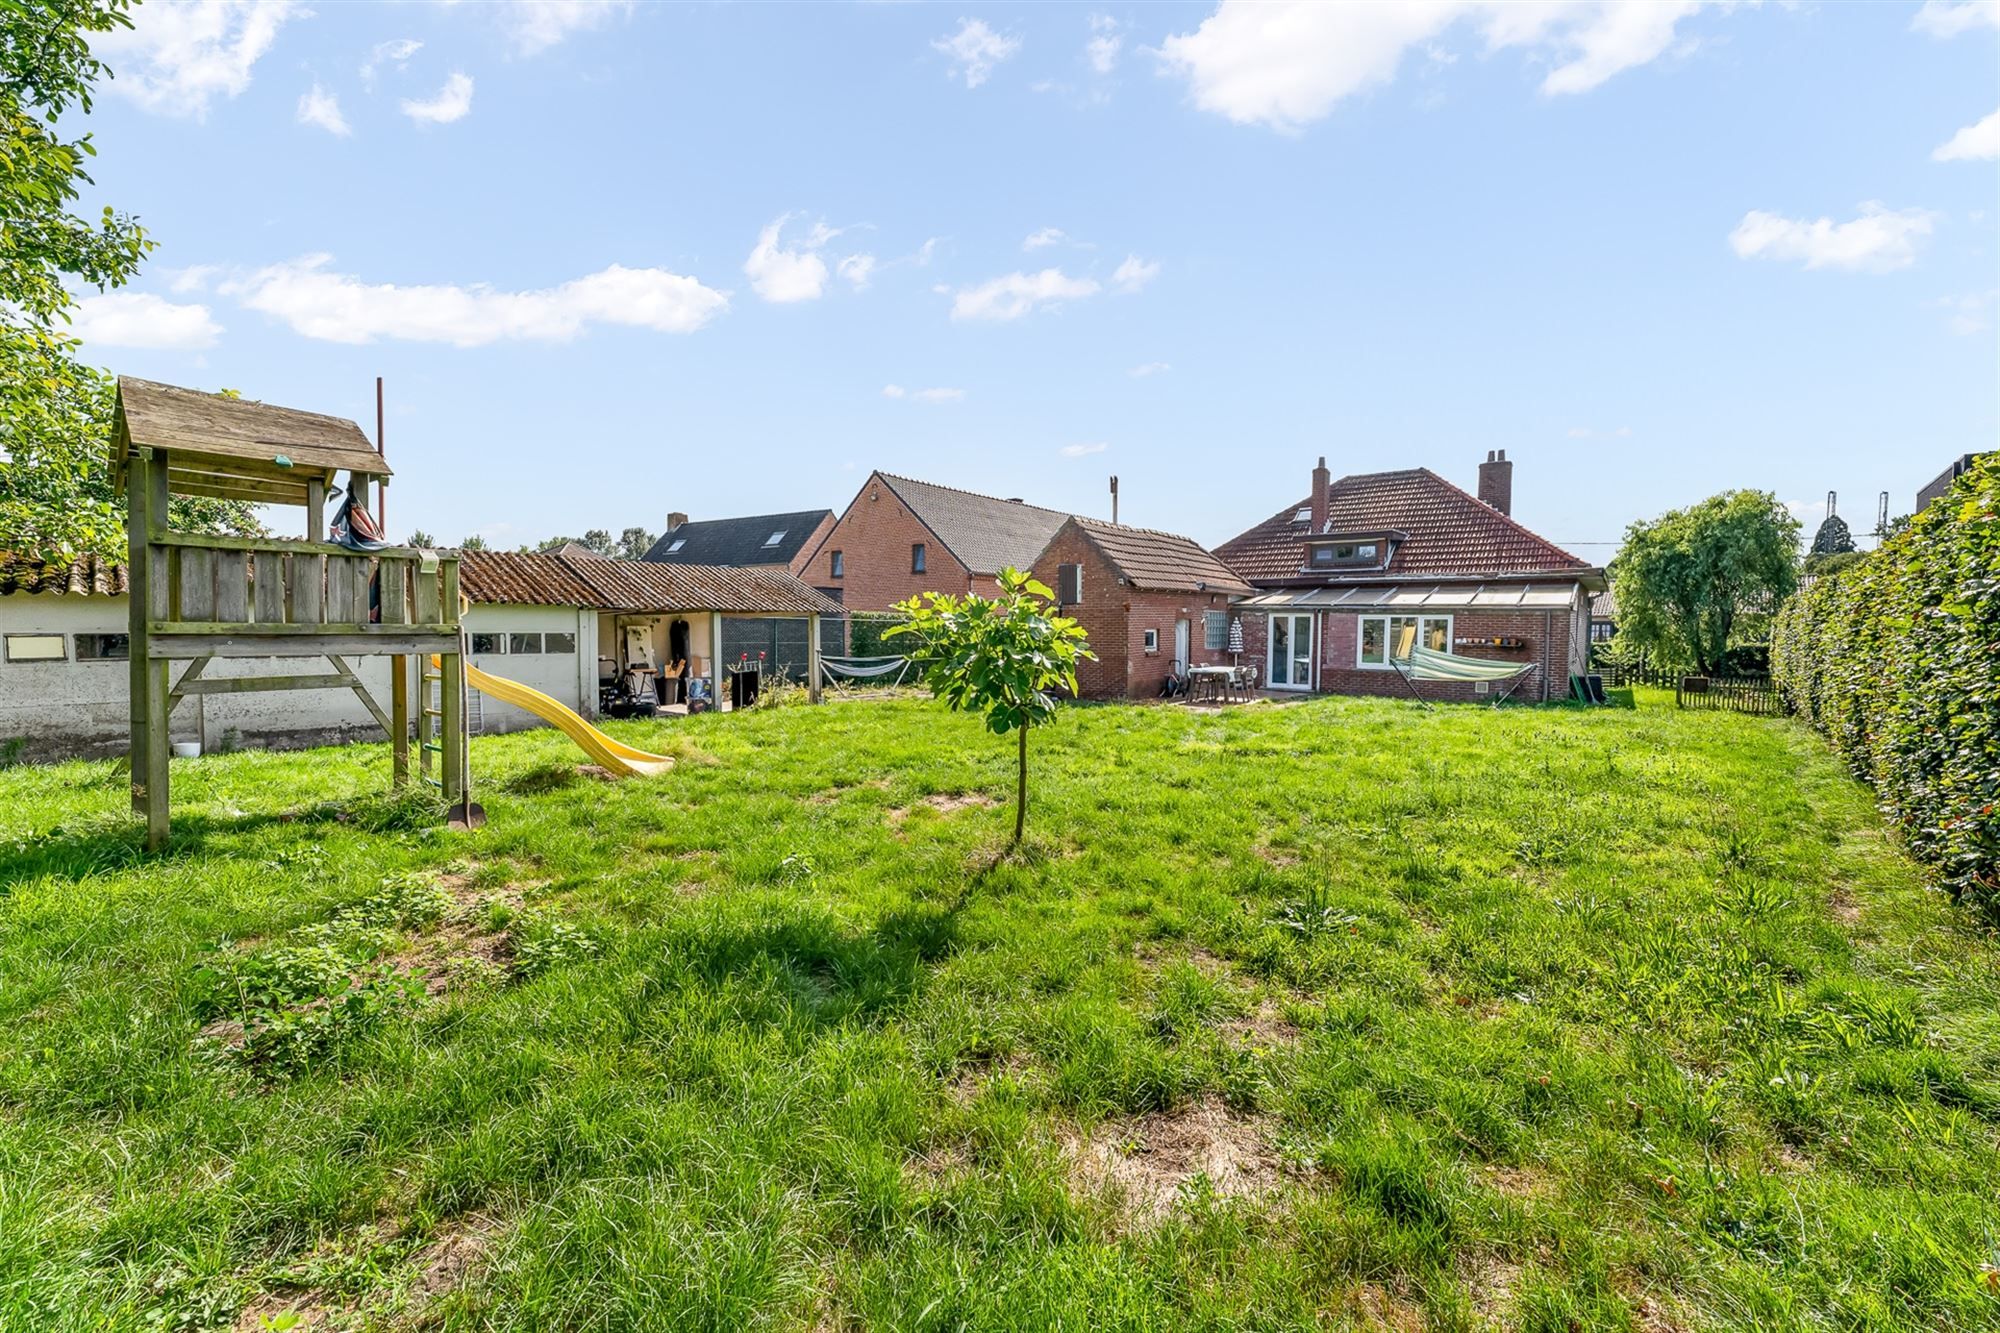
x: 1897, y: 660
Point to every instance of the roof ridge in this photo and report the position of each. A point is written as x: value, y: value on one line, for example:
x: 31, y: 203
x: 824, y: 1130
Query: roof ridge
x: 1501, y: 514
x: 1133, y: 527
x: 977, y: 495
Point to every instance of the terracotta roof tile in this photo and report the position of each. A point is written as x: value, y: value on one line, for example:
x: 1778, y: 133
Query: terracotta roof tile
x: 1164, y: 561
x: 1446, y: 532
x: 86, y: 576
x: 636, y: 585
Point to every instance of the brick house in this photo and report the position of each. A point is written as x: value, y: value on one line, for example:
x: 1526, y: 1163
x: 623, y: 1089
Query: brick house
x: 900, y: 537
x: 1153, y: 604
x: 1345, y: 570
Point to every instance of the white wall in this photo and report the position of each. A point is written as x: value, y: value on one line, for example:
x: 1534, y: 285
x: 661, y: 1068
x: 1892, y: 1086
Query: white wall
x: 73, y: 707
x: 569, y: 677
x: 82, y: 708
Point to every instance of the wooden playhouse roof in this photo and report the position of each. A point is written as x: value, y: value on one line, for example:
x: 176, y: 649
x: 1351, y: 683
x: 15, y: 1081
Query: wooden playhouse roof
x: 233, y: 448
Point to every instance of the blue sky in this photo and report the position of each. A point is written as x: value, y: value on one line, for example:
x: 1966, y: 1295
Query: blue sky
x: 616, y: 260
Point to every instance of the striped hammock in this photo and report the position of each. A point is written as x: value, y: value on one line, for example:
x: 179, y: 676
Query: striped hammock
x: 1430, y: 664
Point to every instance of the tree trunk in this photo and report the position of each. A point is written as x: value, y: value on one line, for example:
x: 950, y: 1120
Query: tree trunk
x: 1021, y: 790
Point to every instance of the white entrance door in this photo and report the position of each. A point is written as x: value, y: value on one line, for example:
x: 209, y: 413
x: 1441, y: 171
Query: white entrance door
x: 1289, y: 664
x: 1180, y: 647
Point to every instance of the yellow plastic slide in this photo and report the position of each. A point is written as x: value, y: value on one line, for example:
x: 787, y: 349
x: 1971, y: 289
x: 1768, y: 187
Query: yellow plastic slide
x: 616, y: 756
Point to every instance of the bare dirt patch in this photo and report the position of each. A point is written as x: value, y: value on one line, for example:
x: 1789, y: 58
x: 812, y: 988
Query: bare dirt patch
x: 1146, y: 1160
x: 944, y: 803
x: 1517, y: 1182
x: 1382, y: 1308
x: 1492, y: 1282
x: 1266, y: 1025
x: 437, y: 1268
x: 1845, y: 910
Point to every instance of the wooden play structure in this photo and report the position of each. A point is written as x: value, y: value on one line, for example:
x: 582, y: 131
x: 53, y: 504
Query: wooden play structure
x: 207, y: 599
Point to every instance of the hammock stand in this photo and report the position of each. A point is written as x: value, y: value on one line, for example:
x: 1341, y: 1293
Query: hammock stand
x: 1414, y: 664
x: 865, y: 668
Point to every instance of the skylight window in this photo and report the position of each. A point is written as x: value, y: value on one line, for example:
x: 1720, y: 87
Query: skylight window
x: 775, y: 538
x: 676, y: 544
x: 1303, y: 516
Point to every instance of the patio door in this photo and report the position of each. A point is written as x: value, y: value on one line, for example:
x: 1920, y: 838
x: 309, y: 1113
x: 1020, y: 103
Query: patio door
x: 1289, y: 665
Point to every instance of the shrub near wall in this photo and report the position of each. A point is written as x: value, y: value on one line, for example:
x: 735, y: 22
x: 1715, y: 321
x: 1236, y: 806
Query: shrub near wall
x: 1897, y: 660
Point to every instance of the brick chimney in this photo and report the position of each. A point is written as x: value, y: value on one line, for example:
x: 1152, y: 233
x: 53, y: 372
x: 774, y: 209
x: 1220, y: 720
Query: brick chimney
x: 1496, y: 481
x: 676, y: 521
x: 1321, y: 480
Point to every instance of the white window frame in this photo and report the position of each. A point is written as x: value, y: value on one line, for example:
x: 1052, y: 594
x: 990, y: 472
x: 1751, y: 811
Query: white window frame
x: 1149, y: 640
x: 61, y: 653
x: 775, y: 538
x: 676, y: 544
x: 1388, y: 618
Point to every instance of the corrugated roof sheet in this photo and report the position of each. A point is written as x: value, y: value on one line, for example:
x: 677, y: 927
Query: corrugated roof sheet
x: 636, y: 585
x: 739, y: 541
x: 1448, y: 532
x: 1164, y: 561
x: 1416, y: 596
x: 86, y: 576
x: 985, y: 533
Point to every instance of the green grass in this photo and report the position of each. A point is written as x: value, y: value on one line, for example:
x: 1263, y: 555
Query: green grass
x: 1547, y: 1019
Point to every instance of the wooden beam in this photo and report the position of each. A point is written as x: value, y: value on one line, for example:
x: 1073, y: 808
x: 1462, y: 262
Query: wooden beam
x: 165, y: 646
x: 812, y: 657
x: 399, y: 720
x: 451, y: 704
x: 261, y: 684
x: 250, y: 628
x: 283, y: 545
x: 361, y: 691
x: 138, y: 575
x: 315, y: 509
x: 181, y: 686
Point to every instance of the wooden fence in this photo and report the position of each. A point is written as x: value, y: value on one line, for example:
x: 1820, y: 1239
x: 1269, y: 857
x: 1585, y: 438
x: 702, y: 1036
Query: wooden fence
x: 1747, y: 694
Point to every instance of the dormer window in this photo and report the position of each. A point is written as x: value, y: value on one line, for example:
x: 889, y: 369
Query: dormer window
x: 1345, y: 553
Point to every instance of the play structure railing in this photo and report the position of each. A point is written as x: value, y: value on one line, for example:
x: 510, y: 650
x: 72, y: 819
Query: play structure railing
x: 252, y: 586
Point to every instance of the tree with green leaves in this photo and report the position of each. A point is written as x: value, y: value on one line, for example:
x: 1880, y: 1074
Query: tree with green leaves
x: 473, y: 543
x: 1833, y: 537
x: 418, y: 537
x: 633, y: 543
x: 1005, y: 657
x: 1690, y: 581
x: 56, y: 497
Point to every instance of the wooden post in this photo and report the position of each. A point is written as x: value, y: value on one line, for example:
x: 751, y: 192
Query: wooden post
x: 812, y: 657
x: 399, y: 720
x: 715, y: 659
x: 457, y: 756
x: 315, y: 510
x: 137, y: 580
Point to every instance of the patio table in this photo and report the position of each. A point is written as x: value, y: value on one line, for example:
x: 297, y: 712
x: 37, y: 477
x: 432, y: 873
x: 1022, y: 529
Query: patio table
x: 1214, y: 681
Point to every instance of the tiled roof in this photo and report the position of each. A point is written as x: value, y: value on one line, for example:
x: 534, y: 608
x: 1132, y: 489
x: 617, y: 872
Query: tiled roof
x: 635, y: 585
x: 86, y: 576
x: 1604, y: 605
x: 1446, y: 533
x: 1160, y: 560
x: 739, y: 541
x: 986, y: 534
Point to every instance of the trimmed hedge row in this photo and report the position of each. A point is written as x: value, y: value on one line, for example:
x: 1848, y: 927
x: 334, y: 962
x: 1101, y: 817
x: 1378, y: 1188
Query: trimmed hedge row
x: 1897, y: 660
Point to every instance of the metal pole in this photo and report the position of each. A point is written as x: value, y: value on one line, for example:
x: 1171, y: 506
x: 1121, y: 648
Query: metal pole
x: 381, y: 449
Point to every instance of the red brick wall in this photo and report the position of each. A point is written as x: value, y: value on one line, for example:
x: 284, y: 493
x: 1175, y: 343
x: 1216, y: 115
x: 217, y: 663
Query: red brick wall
x: 811, y: 544
x: 1336, y: 632
x: 874, y: 537
x: 1116, y: 618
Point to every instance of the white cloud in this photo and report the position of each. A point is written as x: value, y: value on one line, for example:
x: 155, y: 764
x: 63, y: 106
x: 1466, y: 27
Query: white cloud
x: 1974, y: 143
x: 320, y: 107
x: 1141, y: 372
x: 975, y: 49
x: 453, y: 102
x: 1878, y: 241
x: 141, y: 319
x: 336, y: 307
x: 1286, y: 64
x: 180, y: 54
x: 539, y: 24
x: 193, y: 278
x: 1940, y: 18
x: 1970, y: 313
x: 396, y: 51
x: 782, y: 275
x: 1134, y: 273
x: 938, y: 395
x: 857, y: 270
x: 1018, y: 294
x: 1105, y: 40
x: 1047, y: 236
x: 1083, y: 450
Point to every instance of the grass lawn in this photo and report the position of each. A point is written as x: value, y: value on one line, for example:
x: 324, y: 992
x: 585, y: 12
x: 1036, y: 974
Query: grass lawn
x: 1332, y: 1014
